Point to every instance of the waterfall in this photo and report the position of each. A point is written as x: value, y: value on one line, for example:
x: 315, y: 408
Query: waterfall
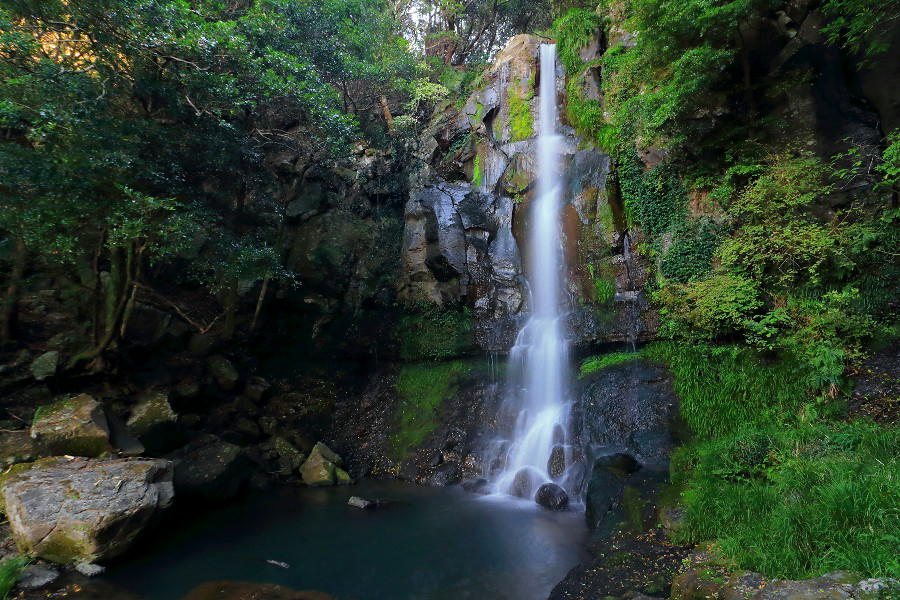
x: 537, y: 397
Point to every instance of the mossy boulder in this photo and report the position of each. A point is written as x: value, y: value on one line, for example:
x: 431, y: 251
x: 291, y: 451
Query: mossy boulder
x: 45, y: 365
x: 75, y: 426
x: 322, y: 467
x: 75, y: 510
x: 154, y: 422
x: 223, y: 371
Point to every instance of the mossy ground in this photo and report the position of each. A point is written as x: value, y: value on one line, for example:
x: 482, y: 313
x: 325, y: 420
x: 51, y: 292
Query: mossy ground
x: 422, y: 388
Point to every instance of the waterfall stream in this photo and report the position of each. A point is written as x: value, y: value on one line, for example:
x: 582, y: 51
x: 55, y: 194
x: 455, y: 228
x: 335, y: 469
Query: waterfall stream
x: 537, y: 398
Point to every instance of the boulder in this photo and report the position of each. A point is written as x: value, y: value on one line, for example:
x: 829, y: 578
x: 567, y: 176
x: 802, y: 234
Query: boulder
x: 16, y: 447
x: 223, y: 372
x: 153, y: 421
x: 45, y: 365
x: 36, y: 576
x: 604, y: 492
x: 322, y: 467
x: 72, y: 510
x: 556, y: 465
x: 210, y: 468
x: 237, y: 590
x: 76, y: 426
x: 289, y: 457
x: 552, y: 496
x: 524, y: 483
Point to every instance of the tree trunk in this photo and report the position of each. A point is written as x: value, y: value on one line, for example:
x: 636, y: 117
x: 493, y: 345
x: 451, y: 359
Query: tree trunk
x: 11, y: 300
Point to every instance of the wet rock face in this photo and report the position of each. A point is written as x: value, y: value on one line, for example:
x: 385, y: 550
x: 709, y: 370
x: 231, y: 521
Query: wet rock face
x: 467, y: 218
x: 630, y: 407
x: 210, y: 469
x: 83, y: 511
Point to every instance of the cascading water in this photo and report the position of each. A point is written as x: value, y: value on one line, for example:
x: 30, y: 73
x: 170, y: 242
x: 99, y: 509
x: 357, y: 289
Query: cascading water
x: 539, y: 360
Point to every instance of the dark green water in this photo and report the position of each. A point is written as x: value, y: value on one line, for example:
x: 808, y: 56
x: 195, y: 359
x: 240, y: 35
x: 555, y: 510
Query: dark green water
x: 431, y: 543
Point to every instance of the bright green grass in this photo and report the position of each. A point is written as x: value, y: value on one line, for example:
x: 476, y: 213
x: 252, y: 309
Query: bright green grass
x: 10, y: 570
x: 596, y: 363
x: 797, y: 501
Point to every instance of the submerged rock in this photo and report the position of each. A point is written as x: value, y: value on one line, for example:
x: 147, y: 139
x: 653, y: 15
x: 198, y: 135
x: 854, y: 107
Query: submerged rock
x: 357, y: 502
x: 552, y: 496
x: 75, y: 426
x: 75, y: 511
x: 238, y: 590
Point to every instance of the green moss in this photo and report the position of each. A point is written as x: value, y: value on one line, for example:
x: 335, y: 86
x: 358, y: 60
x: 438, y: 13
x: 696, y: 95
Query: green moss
x: 436, y: 333
x: 479, y: 113
x: 600, y: 362
x: 48, y: 410
x: 521, y: 121
x: 476, y: 171
x: 62, y: 548
x: 605, y: 216
x: 633, y: 505
x: 422, y: 389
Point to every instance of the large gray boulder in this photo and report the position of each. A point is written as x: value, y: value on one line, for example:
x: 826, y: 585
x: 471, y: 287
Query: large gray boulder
x: 75, y: 426
x: 72, y: 510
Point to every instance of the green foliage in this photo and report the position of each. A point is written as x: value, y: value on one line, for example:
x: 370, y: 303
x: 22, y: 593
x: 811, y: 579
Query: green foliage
x: 690, y: 255
x: 799, y: 501
x: 713, y: 307
x: 435, y: 333
x: 861, y: 26
x: 723, y: 388
x: 521, y: 121
x: 654, y: 199
x: 424, y: 92
x: 593, y: 364
x: 574, y: 31
x: 422, y: 389
x: 890, y: 165
x: 10, y: 570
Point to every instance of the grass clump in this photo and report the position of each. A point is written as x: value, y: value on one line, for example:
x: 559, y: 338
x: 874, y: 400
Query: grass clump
x: 723, y: 388
x: 597, y: 363
x: 422, y: 389
x: 10, y: 571
x: 798, y: 501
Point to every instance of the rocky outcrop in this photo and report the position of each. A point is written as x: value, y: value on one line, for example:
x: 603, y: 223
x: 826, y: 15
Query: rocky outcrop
x: 712, y: 581
x: 76, y: 426
x: 632, y: 408
x: 16, y: 447
x: 466, y: 220
x: 82, y: 511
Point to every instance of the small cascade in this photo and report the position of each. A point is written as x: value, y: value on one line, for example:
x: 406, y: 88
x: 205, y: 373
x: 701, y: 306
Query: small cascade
x: 538, y: 405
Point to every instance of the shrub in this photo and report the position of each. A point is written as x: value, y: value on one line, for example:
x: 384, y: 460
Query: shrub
x: 10, y: 570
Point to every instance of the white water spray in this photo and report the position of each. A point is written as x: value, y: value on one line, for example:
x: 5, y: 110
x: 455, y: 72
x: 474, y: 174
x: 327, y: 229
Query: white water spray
x: 539, y: 359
